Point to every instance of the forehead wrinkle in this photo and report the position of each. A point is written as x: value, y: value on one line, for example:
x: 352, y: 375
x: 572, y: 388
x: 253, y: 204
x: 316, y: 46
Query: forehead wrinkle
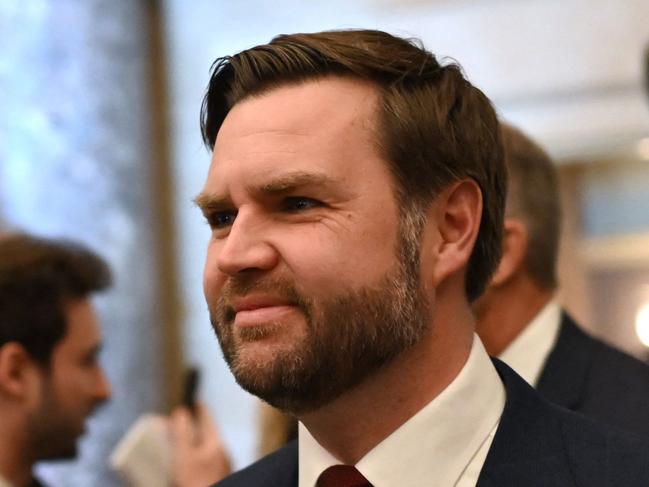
x: 243, y: 126
x: 242, y: 133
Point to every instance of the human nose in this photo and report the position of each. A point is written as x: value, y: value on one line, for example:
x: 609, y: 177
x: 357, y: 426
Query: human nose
x: 246, y: 248
x: 102, y: 387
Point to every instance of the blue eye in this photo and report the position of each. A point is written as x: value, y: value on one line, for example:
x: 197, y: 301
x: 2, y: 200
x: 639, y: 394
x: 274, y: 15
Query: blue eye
x: 300, y: 203
x: 221, y: 219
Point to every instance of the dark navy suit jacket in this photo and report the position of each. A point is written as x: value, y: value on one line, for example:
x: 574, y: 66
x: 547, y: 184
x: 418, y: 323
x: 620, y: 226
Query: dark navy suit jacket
x: 537, y: 444
x: 586, y: 375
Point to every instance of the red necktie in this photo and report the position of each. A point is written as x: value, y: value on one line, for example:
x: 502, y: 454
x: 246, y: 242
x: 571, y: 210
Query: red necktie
x: 342, y: 476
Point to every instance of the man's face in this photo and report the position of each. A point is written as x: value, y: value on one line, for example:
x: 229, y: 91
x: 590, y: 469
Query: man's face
x: 72, y: 387
x: 311, y: 280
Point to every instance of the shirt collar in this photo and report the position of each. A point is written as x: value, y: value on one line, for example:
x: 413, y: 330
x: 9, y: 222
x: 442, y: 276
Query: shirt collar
x: 530, y: 349
x: 437, y: 443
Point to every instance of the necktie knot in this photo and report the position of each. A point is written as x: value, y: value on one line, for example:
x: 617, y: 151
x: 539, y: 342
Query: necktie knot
x: 342, y: 476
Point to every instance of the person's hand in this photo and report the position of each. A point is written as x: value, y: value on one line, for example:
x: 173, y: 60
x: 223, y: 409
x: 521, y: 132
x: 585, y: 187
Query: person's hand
x: 198, y: 456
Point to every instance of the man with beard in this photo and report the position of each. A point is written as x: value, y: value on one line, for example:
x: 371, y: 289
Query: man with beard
x: 355, y: 199
x: 50, y: 379
x: 520, y: 320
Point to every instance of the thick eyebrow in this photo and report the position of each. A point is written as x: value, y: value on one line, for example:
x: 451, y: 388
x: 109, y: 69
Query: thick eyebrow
x: 285, y: 183
x: 292, y: 181
x: 210, y: 203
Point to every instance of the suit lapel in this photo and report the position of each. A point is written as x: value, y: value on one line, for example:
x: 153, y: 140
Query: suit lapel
x: 284, y: 467
x: 566, y: 369
x: 528, y: 448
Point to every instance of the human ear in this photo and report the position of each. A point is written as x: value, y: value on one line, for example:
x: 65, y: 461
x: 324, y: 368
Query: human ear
x: 458, y: 211
x: 515, y: 240
x: 16, y: 370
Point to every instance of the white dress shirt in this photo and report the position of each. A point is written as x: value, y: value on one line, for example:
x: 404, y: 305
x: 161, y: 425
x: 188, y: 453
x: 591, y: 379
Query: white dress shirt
x: 529, y: 351
x: 445, y: 444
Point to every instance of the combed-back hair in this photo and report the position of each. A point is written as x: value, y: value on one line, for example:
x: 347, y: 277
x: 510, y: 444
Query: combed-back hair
x: 433, y: 126
x: 38, y: 277
x: 534, y: 199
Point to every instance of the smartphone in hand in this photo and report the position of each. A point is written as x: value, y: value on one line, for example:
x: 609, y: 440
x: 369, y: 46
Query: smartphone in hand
x: 190, y: 388
x: 143, y: 455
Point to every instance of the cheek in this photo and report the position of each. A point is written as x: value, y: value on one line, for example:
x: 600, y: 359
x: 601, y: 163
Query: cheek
x: 372, y: 250
x: 352, y: 260
x: 69, y: 390
x: 212, y: 277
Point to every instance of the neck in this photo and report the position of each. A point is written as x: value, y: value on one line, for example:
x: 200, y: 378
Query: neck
x: 15, y: 464
x: 507, y: 310
x: 360, y: 419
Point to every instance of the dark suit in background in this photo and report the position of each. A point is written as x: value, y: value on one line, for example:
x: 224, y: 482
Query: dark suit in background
x: 586, y: 375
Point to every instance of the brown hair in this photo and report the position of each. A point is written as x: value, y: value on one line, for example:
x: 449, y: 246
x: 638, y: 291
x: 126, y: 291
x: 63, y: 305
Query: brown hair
x: 534, y: 198
x: 37, y: 277
x: 434, y: 126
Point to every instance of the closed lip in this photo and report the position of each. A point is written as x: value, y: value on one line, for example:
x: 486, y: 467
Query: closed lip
x: 252, y: 302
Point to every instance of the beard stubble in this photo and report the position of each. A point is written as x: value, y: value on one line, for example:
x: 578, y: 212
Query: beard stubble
x: 348, y: 337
